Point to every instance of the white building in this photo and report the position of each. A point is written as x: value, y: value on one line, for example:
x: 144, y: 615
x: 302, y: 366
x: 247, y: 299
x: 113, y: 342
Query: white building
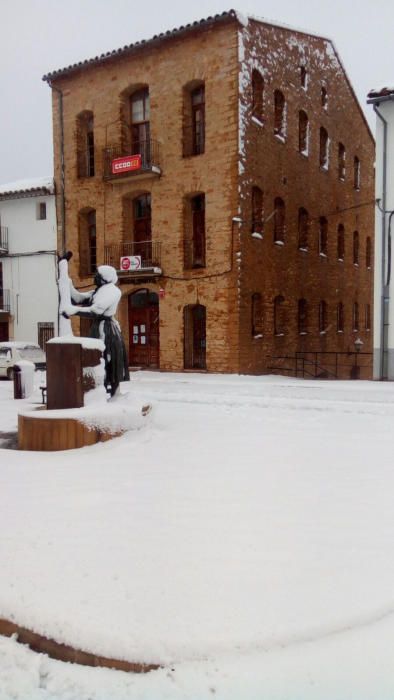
x: 383, y: 363
x: 28, y: 261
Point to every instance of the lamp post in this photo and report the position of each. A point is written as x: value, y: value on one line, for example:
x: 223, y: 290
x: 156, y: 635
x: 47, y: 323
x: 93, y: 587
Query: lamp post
x: 358, y: 344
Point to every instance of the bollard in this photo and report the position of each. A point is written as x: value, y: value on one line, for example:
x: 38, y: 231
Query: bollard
x: 17, y: 382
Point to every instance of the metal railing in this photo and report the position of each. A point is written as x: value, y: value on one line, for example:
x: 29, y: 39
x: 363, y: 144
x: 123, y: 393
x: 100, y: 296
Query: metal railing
x: 149, y: 150
x: 3, y: 239
x: 5, y: 300
x: 324, y: 365
x: 148, y: 251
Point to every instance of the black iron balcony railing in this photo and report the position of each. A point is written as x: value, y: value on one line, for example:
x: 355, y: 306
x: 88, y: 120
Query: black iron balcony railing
x: 193, y: 139
x: 5, y: 300
x: 144, y: 157
x: 149, y: 253
x: 3, y: 239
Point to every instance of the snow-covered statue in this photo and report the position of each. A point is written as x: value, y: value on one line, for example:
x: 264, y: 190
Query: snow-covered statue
x: 100, y: 305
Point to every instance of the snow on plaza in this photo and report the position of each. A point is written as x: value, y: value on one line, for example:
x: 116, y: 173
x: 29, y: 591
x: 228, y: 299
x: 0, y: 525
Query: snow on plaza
x: 240, y: 536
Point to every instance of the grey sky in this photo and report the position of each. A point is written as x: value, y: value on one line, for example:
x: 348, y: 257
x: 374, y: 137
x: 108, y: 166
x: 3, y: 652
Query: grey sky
x: 38, y: 36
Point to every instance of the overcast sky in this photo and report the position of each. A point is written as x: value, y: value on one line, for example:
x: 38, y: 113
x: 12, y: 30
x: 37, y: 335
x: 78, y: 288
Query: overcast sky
x: 38, y: 36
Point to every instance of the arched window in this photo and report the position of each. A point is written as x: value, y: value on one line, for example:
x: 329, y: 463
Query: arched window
x: 194, y: 118
x: 303, y: 77
x: 303, y: 132
x: 279, y: 319
x: 85, y: 144
x: 356, y: 173
x: 87, y: 242
x: 303, y: 225
x: 356, y: 248
x: 279, y: 220
x: 140, y: 125
x: 368, y: 253
x: 323, y: 317
x: 302, y: 317
x: 257, y: 95
x: 323, y: 236
x: 341, y: 242
x: 194, y: 240
x: 367, y: 317
x: 257, y: 210
x: 323, y: 97
x: 340, y: 318
x: 279, y: 114
x: 324, y: 148
x: 356, y: 317
x: 257, y: 315
x: 341, y: 161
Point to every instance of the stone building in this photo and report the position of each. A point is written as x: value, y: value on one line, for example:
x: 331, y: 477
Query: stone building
x: 225, y: 168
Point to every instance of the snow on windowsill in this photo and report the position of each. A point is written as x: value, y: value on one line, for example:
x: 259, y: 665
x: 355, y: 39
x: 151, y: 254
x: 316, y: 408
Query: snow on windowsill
x: 323, y: 255
x: 279, y: 335
x: 303, y: 333
x: 340, y: 259
x: 304, y: 250
x: 257, y: 235
x: 280, y: 138
x: 257, y: 121
x: 279, y: 242
x: 257, y: 336
x: 323, y: 332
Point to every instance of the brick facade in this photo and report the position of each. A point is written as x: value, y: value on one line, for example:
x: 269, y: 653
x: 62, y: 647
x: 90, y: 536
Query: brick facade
x: 240, y: 153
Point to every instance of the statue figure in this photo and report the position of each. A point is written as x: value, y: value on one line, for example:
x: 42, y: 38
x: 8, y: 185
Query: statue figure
x: 100, y: 304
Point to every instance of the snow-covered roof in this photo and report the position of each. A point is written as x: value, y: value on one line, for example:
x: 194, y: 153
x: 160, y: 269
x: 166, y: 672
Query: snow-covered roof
x: 179, y: 31
x: 380, y: 92
x: 32, y: 187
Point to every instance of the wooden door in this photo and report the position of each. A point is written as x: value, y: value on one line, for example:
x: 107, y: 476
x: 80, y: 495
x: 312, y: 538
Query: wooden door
x: 4, y: 336
x: 195, y: 337
x: 144, y: 345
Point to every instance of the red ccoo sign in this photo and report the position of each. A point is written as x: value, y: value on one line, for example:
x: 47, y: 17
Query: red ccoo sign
x: 125, y: 164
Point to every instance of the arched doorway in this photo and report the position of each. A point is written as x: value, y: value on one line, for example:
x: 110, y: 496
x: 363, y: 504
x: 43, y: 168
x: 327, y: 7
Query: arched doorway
x: 194, y: 321
x: 144, y: 341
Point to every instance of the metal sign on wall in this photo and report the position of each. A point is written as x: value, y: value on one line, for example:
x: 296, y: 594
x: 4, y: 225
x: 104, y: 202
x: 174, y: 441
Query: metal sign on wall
x: 125, y: 164
x: 130, y: 262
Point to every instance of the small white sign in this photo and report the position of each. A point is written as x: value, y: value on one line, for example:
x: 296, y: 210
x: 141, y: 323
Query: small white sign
x: 142, y: 329
x: 143, y: 339
x: 130, y: 262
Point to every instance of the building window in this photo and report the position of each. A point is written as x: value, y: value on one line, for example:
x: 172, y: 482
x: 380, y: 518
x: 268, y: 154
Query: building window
x: 141, y: 227
x: 303, y: 77
x: 140, y: 126
x: 357, y: 173
x: 368, y: 253
x: 279, y: 321
x: 303, y: 225
x: 85, y: 145
x: 41, y: 211
x: 367, y: 317
x: 257, y: 95
x: 303, y: 132
x: 341, y: 161
x: 257, y: 315
x: 324, y: 149
x: 356, y: 248
x: 302, y: 317
x: 194, y: 241
x: 257, y: 210
x: 45, y: 331
x: 340, y: 318
x: 323, y: 316
x: 356, y: 319
x: 87, y: 242
x: 279, y: 114
x: 279, y: 221
x: 324, y: 97
x: 341, y: 242
x: 323, y: 236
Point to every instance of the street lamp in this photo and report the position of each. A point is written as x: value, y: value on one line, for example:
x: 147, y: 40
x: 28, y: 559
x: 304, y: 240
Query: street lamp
x: 358, y: 343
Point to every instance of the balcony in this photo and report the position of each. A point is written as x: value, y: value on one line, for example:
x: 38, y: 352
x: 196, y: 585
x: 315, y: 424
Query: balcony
x: 3, y: 240
x: 5, y: 300
x: 141, y: 159
x: 142, y: 259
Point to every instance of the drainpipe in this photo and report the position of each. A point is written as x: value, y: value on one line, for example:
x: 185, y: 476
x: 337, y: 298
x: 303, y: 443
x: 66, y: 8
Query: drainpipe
x: 62, y: 165
x: 385, y: 287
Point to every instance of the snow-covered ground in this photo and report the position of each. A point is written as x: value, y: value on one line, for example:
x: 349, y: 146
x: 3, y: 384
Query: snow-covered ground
x: 241, y: 536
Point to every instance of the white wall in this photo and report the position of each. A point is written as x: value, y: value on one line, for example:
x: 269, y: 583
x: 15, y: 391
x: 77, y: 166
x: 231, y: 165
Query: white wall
x: 31, y: 279
x: 380, y: 289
